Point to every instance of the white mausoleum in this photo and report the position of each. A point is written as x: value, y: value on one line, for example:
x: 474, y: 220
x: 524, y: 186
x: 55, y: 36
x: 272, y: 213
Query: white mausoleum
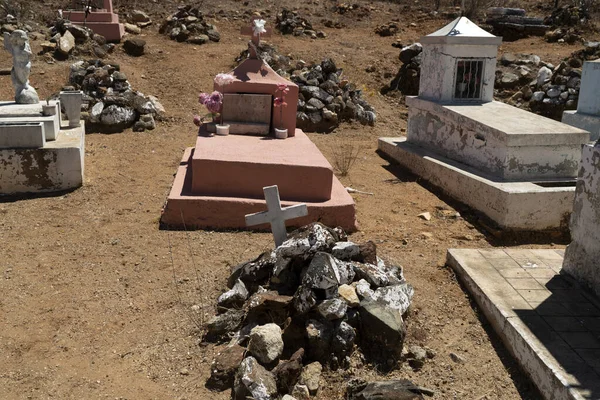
x: 516, y: 167
x: 459, y: 63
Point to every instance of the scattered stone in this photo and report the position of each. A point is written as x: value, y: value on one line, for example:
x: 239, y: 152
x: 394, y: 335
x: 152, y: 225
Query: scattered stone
x: 332, y: 309
x: 140, y: 18
x: 287, y: 372
x: 345, y: 251
x: 134, y: 47
x: 426, y: 216
x: 188, y: 25
x: 66, y: 43
x: 253, y: 380
x: 235, y: 297
x: 319, y: 336
x: 310, y: 376
x: 224, y: 323
x: 401, y: 389
x: 456, y: 358
x: 348, y: 293
x: 416, y: 357
x: 386, y: 330
x: 389, y: 29
x: 224, y: 367
x: 301, y: 392
x: 266, y: 343
x: 131, y: 28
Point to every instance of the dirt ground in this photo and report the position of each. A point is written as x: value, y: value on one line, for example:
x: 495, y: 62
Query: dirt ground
x: 97, y: 302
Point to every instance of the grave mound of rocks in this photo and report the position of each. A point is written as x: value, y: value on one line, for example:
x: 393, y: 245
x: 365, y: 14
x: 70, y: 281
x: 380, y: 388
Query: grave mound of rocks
x: 407, y: 79
x: 312, y: 303
x: 325, y: 97
x: 188, y: 25
x: 67, y: 39
x: 567, y: 15
x: 109, y: 103
x: 547, y: 90
x: 291, y: 23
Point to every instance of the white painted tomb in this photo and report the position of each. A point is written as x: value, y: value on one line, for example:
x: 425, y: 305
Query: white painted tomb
x: 37, y: 153
x: 587, y: 116
x: 35, y: 156
x: 515, y: 167
x: 582, y: 257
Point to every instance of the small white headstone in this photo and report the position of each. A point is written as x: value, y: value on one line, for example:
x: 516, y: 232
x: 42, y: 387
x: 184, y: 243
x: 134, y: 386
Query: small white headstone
x: 589, y: 101
x: 276, y: 215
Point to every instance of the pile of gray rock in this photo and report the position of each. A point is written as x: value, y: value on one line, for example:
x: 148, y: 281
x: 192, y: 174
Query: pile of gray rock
x: 188, y: 25
x: 136, y: 21
x: 110, y: 104
x: 67, y: 39
x: 307, y: 305
x: 513, y: 24
x: 291, y: 23
x: 326, y: 98
x: 407, y: 79
x: 544, y: 88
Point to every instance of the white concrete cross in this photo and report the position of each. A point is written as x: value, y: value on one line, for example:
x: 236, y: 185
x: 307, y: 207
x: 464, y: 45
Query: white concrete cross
x: 276, y: 215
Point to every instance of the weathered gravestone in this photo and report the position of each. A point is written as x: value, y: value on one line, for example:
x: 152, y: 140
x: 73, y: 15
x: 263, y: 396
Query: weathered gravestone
x: 35, y: 154
x: 587, y: 116
x: 97, y: 15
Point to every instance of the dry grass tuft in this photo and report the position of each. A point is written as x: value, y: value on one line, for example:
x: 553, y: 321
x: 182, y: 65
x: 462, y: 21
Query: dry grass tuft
x: 344, y: 156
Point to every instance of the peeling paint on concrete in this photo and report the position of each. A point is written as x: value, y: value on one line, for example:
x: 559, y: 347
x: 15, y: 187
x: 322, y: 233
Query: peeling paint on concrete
x: 478, y: 136
x: 582, y: 255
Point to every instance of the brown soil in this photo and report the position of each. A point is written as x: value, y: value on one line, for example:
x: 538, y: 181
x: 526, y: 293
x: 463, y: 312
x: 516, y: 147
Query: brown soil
x: 97, y: 302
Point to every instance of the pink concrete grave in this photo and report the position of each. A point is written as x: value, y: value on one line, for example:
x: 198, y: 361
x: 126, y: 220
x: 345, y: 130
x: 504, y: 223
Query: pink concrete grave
x: 100, y: 18
x: 221, y: 179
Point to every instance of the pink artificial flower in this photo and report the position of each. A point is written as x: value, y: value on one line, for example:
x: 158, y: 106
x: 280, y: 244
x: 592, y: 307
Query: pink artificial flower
x: 213, y: 106
x: 197, y: 120
x: 282, y: 87
x: 224, y: 79
x: 216, y: 97
x: 203, y: 98
x: 279, y: 102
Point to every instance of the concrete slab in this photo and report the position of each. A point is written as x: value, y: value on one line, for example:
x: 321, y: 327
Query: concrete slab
x: 25, y: 135
x: 58, y: 166
x: 529, y: 206
x: 225, y: 212
x: 497, y: 139
x: 12, y: 112
x: 590, y: 123
x: 542, y: 326
x: 294, y: 164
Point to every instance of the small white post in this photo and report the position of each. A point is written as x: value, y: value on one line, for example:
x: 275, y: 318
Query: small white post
x: 276, y: 215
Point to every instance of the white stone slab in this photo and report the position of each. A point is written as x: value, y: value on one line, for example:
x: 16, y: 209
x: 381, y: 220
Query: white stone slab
x: 498, y: 139
x: 587, y: 122
x: 25, y: 135
x: 511, y: 205
x: 12, y: 109
x: 247, y: 108
x: 51, y: 124
x: 544, y: 336
x: 582, y: 258
x: 56, y: 167
x: 589, y: 98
